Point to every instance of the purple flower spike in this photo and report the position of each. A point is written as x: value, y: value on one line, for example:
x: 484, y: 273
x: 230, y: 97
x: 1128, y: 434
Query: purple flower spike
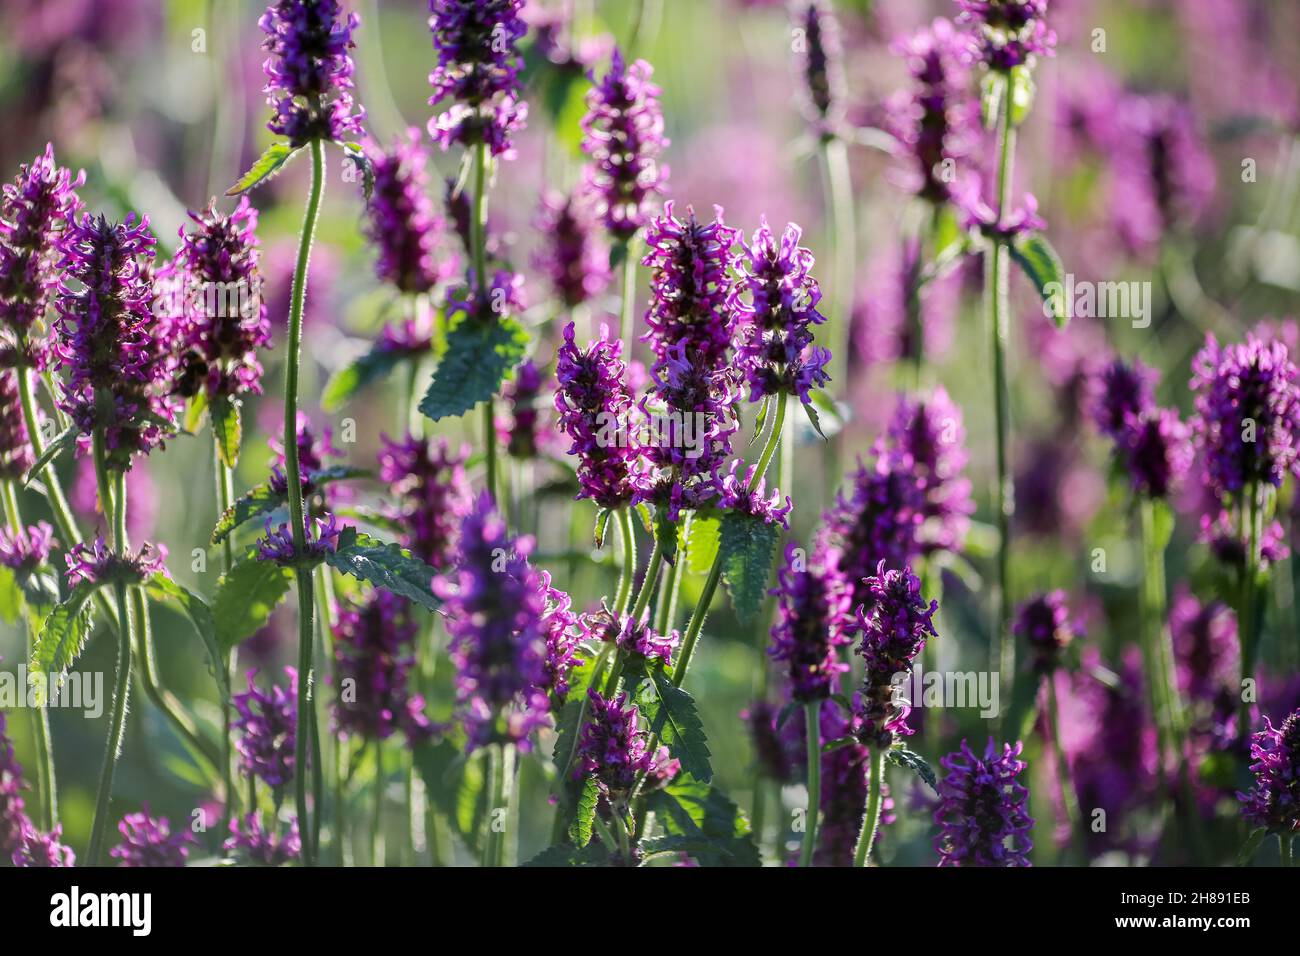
x: 893, y: 632
x: 1044, y: 624
x: 1157, y: 452
x: 562, y: 628
x: 36, y: 207
x: 106, y: 338
x: 736, y: 496
x: 1007, y: 33
x: 266, y: 724
x: 691, y: 288
x: 428, y: 480
x: 495, y: 605
x: 1274, y: 801
x: 25, y: 550
x: 401, y: 221
x: 631, y: 636
x: 16, y: 455
x: 926, y: 438
x: 13, y: 816
x: 624, y: 135
x: 806, y: 636
x: 1119, y: 393
x: 259, y: 845
x: 775, y: 349
x: 983, y: 814
x: 309, y: 71
x: 96, y: 563
x: 1206, y: 646
x: 522, y: 431
x: 37, y: 849
x: 819, y: 65
x: 321, y: 538
x: 611, y: 747
x: 478, y: 70
x: 374, y: 654
x: 574, y: 260
x: 222, y: 320
x: 149, y: 841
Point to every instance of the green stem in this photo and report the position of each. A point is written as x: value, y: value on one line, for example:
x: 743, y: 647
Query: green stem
x: 297, y: 512
x: 377, y: 816
x: 495, y: 786
x: 224, y: 482
x: 839, y: 192
x: 1284, y: 848
x: 506, y: 846
x: 628, y: 306
x: 1069, y: 796
x: 53, y: 487
x: 812, y: 731
x: 623, y: 595
x: 871, y: 819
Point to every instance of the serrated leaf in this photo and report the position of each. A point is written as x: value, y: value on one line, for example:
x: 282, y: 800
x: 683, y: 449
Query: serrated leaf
x: 263, y: 499
x: 387, y: 566
x: 64, y: 633
x: 350, y: 379
x: 703, y: 814
x: 647, y: 516
x: 914, y: 762
x: 246, y: 596
x: 658, y: 846
x: 565, y: 855
x: 1042, y: 265
x: 1253, y: 843
x: 478, y: 357
x: 164, y: 590
x: 58, y: 444
x: 584, y: 810
x: 602, y: 522
x: 672, y: 715
x: 745, y: 546
x: 699, y: 537
x: 266, y: 166
x: 224, y: 415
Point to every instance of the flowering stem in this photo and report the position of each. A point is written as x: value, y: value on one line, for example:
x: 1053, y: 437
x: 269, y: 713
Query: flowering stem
x: 478, y: 243
x: 224, y: 481
x: 1164, y: 694
x: 839, y: 193
x: 40, y: 715
x: 871, y: 819
x: 297, y: 516
x: 812, y: 731
x: 53, y: 487
x: 996, y: 280
x: 377, y: 816
x: 1246, y: 612
x: 666, y: 609
x: 628, y: 539
x: 628, y: 247
x: 510, y: 800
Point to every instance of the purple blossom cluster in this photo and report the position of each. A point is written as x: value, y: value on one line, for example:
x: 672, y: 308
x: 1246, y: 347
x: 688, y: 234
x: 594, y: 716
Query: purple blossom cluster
x: 572, y: 257
x: 611, y: 747
x: 374, y: 642
x: 309, y: 71
x: 818, y: 61
x: 522, y: 432
x: 562, y: 628
x: 13, y: 815
x: 806, y: 636
x: 926, y: 437
x: 623, y: 133
x: 149, y: 841
x: 320, y: 537
x: 263, y: 846
x: 630, y: 635
x: 1043, y: 624
x: 96, y: 563
x: 401, y: 221
x: 16, y: 454
x: 427, y: 479
x: 1274, y: 801
x: 23, y: 550
x: 739, y: 492
x: 266, y: 723
x: 1152, y: 445
x: 1205, y: 643
x: 38, y: 849
x: 1007, y: 33
x: 312, y: 454
x: 477, y: 42
x: 983, y: 814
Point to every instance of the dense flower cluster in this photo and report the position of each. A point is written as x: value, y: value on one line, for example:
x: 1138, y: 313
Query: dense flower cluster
x: 563, y: 629
x: 495, y: 605
x: 257, y: 844
x: 570, y: 255
x: 428, y: 480
x: 1274, y: 801
x: 982, y: 814
x: 115, y: 365
x: 1152, y: 445
x: 38, y: 849
x: 1205, y: 646
x: 26, y: 549
x: 222, y: 319
x: 819, y: 53
x: 13, y: 815
x: 893, y: 632
x: 374, y: 653
x: 320, y: 537
x: 267, y: 726
x: 521, y: 432
x: 736, y: 494
x: 401, y: 221
x: 16, y: 455
x: 1007, y: 33
x: 309, y: 72
x: 149, y: 841
x: 805, y: 636
x: 624, y: 135
x: 478, y: 70
x: 1043, y: 624
x: 775, y: 336
x: 97, y: 563
x: 630, y: 635
x: 926, y: 438
x: 611, y: 747
x: 843, y: 800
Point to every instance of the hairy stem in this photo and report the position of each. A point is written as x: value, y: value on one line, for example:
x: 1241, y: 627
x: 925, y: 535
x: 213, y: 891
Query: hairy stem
x: 812, y: 731
x: 871, y: 819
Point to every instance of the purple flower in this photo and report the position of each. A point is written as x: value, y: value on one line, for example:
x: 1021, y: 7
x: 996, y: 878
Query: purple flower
x: 1205, y: 645
x: 1120, y: 392
x: 495, y: 604
x: 775, y: 349
x: 259, y: 845
x: 309, y: 71
x: 428, y: 481
x: 13, y: 817
x: 736, y: 496
x: 1247, y: 412
x: 806, y: 636
x: 631, y: 636
x: 979, y: 215
x: 775, y: 757
x: 16, y: 455
x: 1007, y: 33
x: 222, y: 320
x: 1157, y: 452
x: 504, y: 296
x: 266, y: 724
x: 1043, y: 623
x: 37, y: 849
x: 818, y: 62
x: 1274, y: 801
x: 574, y: 260
x: 934, y: 120
x: 374, y: 643
x: 611, y: 748
x: 38, y: 205
x: 692, y: 302
x: 401, y: 221
x: 624, y: 135
x: 561, y: 626
x: 96, y: 563
x: 1229, y: 543
x: 926, y: 439
x: 843, y: 801
x: 320, y: 538
x: 983, y: 816
x: 893, y: 632
x: 106, y: 338
x: 26, y: 549
x: 312, y: 453
x: 478, y: 69
x: 149, y: 841
x: 597, y: 413
x: 892, y: 322
x: 521, y: 432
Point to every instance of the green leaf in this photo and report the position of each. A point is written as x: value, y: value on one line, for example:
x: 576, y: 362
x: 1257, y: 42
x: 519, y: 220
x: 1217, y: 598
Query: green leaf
x: 11, y: 597
x: 266, y: 166
x: 746, y: 546
x: 584, y: 811
x: 602, y: 522
x: 58, y: 444
x: 350, y: 379
x: 164, y: 590
x: 194, y: 410
x: 1253, y: 843
x: 1042, y: 265
x: 658, y: 846
x: 263, y: 499
x: 703, y: 814
x: 666, y: 535
x: 224, y: 415
x: 478, y: 357
x: 672, y: 715
x: 64, y: 633
x: 1022, y: 93
x: 566, y: 854
x: 914, y: 762
x: 814, y: 420
x: 440, y: 766
x: 354, y: 154
x: 839, y: 743
x: 246, y: 596
x: 1162, y: 522
x: 991, y: 89
x: 387, y: 566
x: 471, y: 800
x: 699, y: 537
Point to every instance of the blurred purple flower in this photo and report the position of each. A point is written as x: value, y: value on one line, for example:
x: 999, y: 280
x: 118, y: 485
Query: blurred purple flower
x: 427, y: 479
x: 1274, y: 801
x: 149, y: 841
x: 259, y: 845
x: 266, y: 728
x: 401, y: 221
x: 1043, y: 623
x: 573, y: 258
x: 37, y: 849
x: 374, y: 642
x: 983, y: 808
